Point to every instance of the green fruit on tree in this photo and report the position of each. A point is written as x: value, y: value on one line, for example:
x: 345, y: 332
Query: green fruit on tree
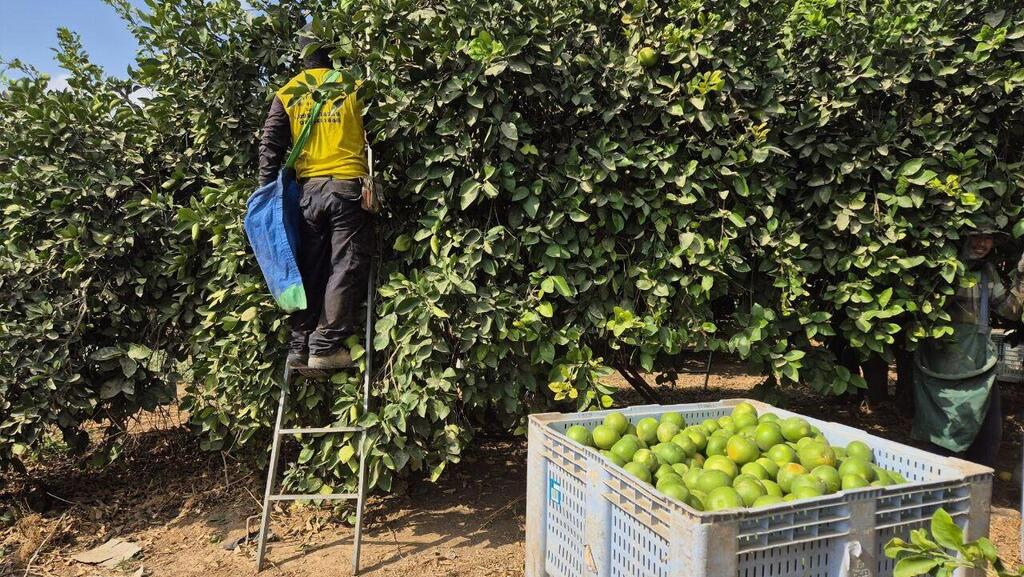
x: 617, y: 421
x: 852, y: 481
x: 767, y: 435
x: 741, y: 450
x: 666, y: 431
x: 676, y: 491
x: 723, y: 498
x: 769, y: 466
x: 647, y: 430
x: 767, y: 500
x: 860, y: 450
x: 781, y: 454
x: 723, y: 464
x: 829, y: 476
x: 755, y: 469
x: 674, y: 418
x: 638, y: 470
x: 711, y: 479
x: 795, y: 428
x: 857, y: 466
x: 581, y: 435
x: 604, y: 436
x: 647, y: 458
x: 787, y: 473
x: 647, y: 57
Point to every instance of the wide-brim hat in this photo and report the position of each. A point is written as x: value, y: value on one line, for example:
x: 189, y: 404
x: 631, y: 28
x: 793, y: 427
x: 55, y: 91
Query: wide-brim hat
x: 984, y: 225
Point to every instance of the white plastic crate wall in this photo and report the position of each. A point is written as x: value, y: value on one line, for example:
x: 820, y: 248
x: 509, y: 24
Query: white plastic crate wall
x: 588, y: 518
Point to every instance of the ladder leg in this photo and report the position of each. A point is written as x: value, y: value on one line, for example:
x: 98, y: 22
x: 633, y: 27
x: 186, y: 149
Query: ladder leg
x: 274, y: 452
x: 367, y: 377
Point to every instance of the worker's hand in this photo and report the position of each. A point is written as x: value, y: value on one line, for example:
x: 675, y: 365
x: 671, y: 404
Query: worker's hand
x: 1020, y: 265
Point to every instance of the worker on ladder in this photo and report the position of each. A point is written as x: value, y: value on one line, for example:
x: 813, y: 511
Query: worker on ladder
x: 336, y: 232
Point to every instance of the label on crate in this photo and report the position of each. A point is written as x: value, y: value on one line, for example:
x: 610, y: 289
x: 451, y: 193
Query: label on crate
x: 554, y: 491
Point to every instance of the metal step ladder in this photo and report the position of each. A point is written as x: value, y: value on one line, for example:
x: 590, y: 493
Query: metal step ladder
x: 292, y: 374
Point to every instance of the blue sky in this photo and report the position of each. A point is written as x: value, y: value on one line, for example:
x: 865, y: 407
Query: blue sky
x: 28, y: 31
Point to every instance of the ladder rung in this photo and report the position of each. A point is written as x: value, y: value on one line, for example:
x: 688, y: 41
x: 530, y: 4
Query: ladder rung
x: 313, y: 430
x: 331, y: 497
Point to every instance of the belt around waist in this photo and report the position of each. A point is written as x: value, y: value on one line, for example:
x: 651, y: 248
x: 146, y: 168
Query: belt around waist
x: 318, y: 179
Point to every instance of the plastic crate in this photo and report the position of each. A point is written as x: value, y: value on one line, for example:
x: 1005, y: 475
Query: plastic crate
x: 587, y: 517
x: 1010, y: 364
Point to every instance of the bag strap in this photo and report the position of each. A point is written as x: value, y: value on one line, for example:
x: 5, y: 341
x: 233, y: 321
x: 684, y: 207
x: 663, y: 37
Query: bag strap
x: 300, y: 143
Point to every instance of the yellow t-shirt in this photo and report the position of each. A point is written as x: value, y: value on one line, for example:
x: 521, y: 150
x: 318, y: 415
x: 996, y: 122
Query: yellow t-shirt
x: 335, y: 146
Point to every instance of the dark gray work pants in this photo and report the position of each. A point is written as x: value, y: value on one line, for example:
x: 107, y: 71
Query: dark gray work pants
x: 336, y: 239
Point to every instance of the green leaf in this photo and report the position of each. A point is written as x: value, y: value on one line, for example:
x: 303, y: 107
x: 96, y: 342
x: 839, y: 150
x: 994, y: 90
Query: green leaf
x: 914, y: 565
x: 545, y: 309
x: 105, y: 354
x: 305, y: 455
x: 468, y: 192
x: 346, y: 453
x: 911, y: 167
x: 1018, y: 229
x: 509, y: 130
x: 139, y: 352
x: 562, y: 286
x: 945, y: 531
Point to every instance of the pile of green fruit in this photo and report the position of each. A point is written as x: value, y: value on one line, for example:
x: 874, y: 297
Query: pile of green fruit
x: 742, y: 460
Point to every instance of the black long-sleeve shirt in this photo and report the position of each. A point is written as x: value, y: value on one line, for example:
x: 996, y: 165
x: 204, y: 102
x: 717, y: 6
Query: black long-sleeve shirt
x: 276, y: 141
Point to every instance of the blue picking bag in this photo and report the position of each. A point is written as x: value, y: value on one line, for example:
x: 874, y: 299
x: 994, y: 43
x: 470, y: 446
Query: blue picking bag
x: 272, y: 227
x: 272, y: 220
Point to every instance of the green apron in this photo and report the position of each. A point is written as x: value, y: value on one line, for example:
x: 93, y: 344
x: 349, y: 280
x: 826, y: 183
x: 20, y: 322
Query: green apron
x: 952, y: 382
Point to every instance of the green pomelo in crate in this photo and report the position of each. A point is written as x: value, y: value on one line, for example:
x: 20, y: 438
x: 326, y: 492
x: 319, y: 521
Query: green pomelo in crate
x: 605, y: 437
x: 709, y: 426
x: 816, y: 454
x: 638, y: 470
x: 854, y: 482
x: 769, y: 465
x: 697, y: 435
x: 669, y: 453
x: 664, y: 470
x: 789, y: 497
x: 749, y: 490
x: 768, y: 418
x: 857, y: 466
x: 772, y: 488
x: 666, y: 480
x: 723, y: 464
x: 741, y: 450
x: 711, y: 479
x: 743, y: 477
x: 647, y: 458
x: 676, y: 491
x: 807, y: 492
x: 691, y: 477
x: 619, y: 461
x: 617, y: 421
x: 723, y: 498
x: 666, y: 431
x: 674, y: 418
x: 681, y: 469
x: 781, y: 454
x: 744, y: 408
x: 898, y: 479
x: 686, y: 444
x: 696, y: 500
x: 800, y: 444
x: 829, y: 476
x: 647, y: 430
x: 726, y: 424
x: 767, y: 435
x: 881, y: 475
x: 756, y: 470
x: 840, y: 453
x: 860, y: 450
x: 794, y: 429
x: 581, y: 435
x: 626, y: 447
x: 744, y: 420
x: 807, y: 480
x: 697, y: 461
x: 716, y: 445
x: 787, y: 473
x: 632, y: 437
x: 631, y: 430
x: 767, y: 500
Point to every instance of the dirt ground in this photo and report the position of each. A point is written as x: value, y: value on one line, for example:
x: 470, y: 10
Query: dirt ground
x: 180, y: 505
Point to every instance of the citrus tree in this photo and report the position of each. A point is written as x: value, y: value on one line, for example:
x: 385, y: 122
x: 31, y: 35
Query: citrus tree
x: 576, y: 186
